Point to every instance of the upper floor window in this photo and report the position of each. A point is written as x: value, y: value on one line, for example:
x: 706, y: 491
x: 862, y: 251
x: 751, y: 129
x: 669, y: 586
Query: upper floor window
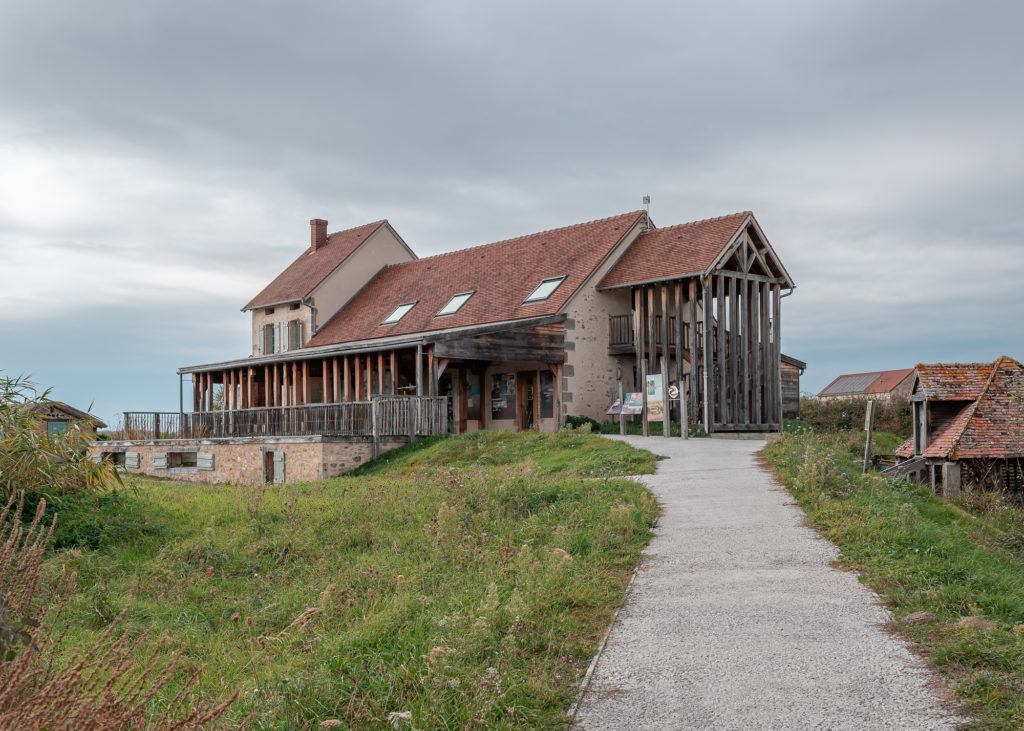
x: 545, y: 289
x: 278, y: 337
x: 399, y: 313
x: 454, y: 304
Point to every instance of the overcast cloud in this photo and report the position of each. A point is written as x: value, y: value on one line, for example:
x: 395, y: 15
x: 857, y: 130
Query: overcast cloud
x: 159, y: 162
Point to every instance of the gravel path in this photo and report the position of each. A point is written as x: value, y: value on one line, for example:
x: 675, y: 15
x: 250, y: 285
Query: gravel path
x: 736, y: 620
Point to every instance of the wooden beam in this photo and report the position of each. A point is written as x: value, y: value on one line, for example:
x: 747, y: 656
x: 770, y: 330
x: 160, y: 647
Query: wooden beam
x: 721, y: 389
x: 696, y: 384
x: 757, y: 358
x: 523, y: 344
x: 705, y: 360
x: 432, y: 373
x: 394, y: 372
x: 442, y: 363
x: 419, y: 376
x: 359, y: 378
x: 638, y: 342
x: 652, y: 346
x: 777, y: 354
x: 746, y: 352
x: 369, y: 377
x: 666, y: 419
x: 380, y: 372
x: 346, y: 387
x: 734, y: 352
x: 680, y: 349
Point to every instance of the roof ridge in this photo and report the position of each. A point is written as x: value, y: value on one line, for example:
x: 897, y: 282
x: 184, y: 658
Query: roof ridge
x: 704, y: 220
x: 362, y: 225
x: 955, y: 444
x: 514, y: 238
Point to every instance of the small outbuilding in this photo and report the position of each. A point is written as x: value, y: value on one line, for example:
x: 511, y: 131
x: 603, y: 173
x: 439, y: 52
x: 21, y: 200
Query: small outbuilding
x: 884, y: 386
x: 56, y: 416
x: 968, y: 425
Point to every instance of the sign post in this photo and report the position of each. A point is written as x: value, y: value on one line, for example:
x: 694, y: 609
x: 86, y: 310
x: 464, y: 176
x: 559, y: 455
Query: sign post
x: 869, y: 423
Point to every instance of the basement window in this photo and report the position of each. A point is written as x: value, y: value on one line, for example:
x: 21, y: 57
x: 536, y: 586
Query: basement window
x: 454, y: 304
x: 545, y: 289
x: 399, y: 313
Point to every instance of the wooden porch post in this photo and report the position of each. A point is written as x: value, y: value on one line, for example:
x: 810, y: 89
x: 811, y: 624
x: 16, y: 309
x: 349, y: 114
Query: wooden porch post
x: 777, y: 353
x: 707, y: 359
x: 380, y: 372
x: 346, y: 393
x: 696, y: 384
x: 734, y: 349
x: 679, y: 353
x: 336, y: 391
x: 369, y: 377
x: 195, y: 393
x: 419, y: 371
x: 648, y: 336
x: 305, y: 382
x: 722, y: 370
x: 393, y: 367
x: 755, y: 356
x: 358, y: 378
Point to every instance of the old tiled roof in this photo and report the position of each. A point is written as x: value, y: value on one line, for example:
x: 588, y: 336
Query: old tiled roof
x: 501, y: 275
x: 996, y: 426
x: 674, y: 251
x: 947, y: 435
x: 44, y: 407
x: 873, y: 382
x: 906, y: 449
x: 953, y: 381
x: 304, y: 274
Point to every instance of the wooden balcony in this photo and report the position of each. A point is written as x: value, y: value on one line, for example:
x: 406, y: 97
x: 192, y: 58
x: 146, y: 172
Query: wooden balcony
x: 388, y: 416
x: 620, y: 333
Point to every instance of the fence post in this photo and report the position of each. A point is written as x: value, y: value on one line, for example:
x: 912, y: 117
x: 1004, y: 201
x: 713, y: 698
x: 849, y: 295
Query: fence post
x: 410, y: 413
x: 156, y: 425
x: 374, y: 403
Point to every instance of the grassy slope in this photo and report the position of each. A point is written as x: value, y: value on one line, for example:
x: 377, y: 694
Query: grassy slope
x: 466, y: 580
x: 925, y: 554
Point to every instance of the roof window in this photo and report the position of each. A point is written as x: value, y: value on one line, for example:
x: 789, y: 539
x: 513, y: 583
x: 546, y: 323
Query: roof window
x: 399, y: 313
x: 454, y: 304
x: 545, y: 289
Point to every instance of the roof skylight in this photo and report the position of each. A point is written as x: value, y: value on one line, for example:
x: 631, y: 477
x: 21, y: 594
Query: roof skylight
x: 454, y: 304
x: 545, y: 289
x: 399, y: 313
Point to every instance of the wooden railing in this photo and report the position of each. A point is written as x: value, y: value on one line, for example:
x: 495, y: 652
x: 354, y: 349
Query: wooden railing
x: 620, y: 331
x: 388, y: 416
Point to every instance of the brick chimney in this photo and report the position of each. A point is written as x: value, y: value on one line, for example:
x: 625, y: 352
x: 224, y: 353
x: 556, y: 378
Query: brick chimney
x: 318, y: 233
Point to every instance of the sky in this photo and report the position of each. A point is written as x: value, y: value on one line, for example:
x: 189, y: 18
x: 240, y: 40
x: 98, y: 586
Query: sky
x: 160, y: 161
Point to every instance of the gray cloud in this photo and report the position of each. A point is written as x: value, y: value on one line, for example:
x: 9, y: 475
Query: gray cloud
x: 159, y: 161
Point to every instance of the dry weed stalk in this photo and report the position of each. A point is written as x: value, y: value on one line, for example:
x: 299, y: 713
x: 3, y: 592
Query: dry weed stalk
x: 111, y: 685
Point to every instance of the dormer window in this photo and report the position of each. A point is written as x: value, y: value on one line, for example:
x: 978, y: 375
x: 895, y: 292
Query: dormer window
x: 454, y: 304
x: 399, y: 313
x: 544, y: 290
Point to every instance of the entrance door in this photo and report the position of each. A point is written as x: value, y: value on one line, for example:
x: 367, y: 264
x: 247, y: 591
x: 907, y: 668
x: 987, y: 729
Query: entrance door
x: 526, y: 400
x: 268, y: 467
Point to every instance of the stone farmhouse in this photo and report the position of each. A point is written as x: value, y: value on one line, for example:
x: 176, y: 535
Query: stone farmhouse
x: 359, y: 339
x: 968, y: 426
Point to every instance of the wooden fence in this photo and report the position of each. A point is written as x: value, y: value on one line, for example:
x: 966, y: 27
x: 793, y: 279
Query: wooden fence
x: 383, y: 417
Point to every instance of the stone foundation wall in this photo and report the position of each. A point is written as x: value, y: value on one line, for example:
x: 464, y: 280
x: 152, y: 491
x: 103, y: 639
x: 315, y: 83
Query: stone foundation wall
x: 243, y: 461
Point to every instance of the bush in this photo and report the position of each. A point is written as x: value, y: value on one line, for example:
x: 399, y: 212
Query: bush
x: 37, y: 463
x: 848, y: 415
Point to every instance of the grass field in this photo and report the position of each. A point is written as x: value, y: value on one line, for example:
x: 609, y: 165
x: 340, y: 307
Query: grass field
x: 460, y: 582
x: 924, y: 554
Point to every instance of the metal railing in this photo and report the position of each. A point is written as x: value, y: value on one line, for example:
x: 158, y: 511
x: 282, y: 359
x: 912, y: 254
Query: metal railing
x: 384, y: 416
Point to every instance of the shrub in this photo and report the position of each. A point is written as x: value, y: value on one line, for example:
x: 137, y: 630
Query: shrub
x: 38, y: 463
x: 848, y: 415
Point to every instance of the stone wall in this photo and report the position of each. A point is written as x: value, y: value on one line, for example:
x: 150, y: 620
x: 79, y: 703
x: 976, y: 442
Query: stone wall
x: 244, y: 461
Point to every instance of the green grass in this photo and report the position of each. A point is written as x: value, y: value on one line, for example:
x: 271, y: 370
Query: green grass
x: 923, y: 553
x: 466, y: 581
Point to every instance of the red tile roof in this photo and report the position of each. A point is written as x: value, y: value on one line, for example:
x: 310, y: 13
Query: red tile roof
x: 996, y: 427
x: 953, y: 381
x: 305, y: 273
x: 870, y: 382
x: 942, y: 444
x: 667, y: 253
x: 501, y: 274
x: 906, y: 449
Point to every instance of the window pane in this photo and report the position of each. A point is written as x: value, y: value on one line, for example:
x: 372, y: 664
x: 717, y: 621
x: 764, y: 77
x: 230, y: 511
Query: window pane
x: 399, y: 313
x: 56, y: 427
x: 454, y: 304
x: 545, y: 289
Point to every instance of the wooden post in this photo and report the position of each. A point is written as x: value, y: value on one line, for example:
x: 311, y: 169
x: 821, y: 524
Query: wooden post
x: 358, y: 379
x: 695, y: 359
x: 335, y: 385
x: 666, y: 422
x: 684, y: 430
x: 734, y: 349
x: 380, y: 372
x: 393, y: 366
x: 766, y: 349
x: 652, y: 346
x: 706, y: 356
x: 777, y: 352
x: 666, y: 419
x: 622, y: 416
x: 195, y: 394
x: 869, y: 424
x: 746, y: 342
x: 375, y: 405
x: 642, y: 362
x: 432, y: 372
x: 419, y: 372
x: 345, y: 384
x: 755, y: 356
x: 305, y: 382
x: 679, y: 352
x: 722, y: 366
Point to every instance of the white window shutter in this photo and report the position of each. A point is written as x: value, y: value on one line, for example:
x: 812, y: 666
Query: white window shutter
x: 285, y: 342
x: 262, y: 337
x: 160, y: 460
x: 277, y: 337
x: 279, y: 467
x: 204, y: 460
x: 131, y: 460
